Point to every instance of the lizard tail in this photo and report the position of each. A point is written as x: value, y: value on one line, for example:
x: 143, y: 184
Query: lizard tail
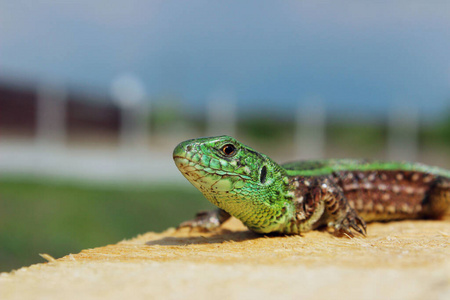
x: 438, y: 201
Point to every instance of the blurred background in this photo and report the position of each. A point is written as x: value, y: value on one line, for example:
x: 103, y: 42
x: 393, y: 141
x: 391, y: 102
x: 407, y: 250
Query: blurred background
x: 94, y: 96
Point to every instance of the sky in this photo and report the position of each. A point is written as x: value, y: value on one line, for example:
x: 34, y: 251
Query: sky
x: 357, y: 56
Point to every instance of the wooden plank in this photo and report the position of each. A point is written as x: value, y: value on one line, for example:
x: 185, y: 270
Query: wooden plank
x: 399, y: 260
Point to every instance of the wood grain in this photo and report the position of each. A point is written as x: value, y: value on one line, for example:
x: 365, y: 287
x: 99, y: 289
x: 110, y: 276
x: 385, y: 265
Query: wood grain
x: 398, y: 260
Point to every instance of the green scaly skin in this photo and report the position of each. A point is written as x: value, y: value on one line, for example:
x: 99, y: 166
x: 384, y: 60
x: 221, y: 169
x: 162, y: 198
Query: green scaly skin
x: 298, y: 197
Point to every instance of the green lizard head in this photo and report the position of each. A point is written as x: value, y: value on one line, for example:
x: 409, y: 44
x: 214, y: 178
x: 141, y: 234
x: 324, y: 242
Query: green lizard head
x: 237, y: 179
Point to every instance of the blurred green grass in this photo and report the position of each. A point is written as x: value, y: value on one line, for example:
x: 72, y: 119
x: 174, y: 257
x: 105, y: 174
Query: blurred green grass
x: 59, y: 218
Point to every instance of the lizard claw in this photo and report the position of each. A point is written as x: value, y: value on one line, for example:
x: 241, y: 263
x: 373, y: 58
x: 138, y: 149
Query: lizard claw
x: 350, y: 224
x: 203, y: 221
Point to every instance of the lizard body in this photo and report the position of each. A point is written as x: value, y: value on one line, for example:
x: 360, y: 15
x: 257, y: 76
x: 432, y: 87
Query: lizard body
x: 297, y: 197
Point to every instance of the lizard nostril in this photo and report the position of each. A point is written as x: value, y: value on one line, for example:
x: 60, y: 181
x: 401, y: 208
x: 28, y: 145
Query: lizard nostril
x: 188, y: 148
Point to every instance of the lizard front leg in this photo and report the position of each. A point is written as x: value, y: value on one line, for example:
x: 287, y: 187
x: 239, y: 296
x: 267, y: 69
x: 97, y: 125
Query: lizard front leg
x: 207, y: 220
x: 318, y: 201
x: 338, y: 213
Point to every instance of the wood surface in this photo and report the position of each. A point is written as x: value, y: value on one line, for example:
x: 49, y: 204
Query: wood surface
x: 397, y: 260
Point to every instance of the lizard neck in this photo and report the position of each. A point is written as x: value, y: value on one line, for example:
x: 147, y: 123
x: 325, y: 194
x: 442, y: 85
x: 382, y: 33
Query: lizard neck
x: 262, y: 210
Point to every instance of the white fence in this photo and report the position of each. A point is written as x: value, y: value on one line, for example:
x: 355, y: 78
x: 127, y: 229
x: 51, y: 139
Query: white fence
x: 135, y: 161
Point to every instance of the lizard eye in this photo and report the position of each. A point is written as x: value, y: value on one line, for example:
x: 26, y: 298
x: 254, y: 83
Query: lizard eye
x: 228, y: 149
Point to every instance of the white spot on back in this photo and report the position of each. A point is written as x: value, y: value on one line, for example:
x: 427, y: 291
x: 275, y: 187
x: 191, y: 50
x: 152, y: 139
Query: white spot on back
x: 352, y: 186
x: 396, y: 189
x: 399, y: 176
x: 385, y: 197
x: 409, y: 190
x: 368, y: 185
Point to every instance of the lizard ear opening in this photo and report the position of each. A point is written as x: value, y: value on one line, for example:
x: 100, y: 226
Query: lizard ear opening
x: 263, y: 175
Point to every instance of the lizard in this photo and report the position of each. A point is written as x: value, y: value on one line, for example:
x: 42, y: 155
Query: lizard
x: 293, y: 198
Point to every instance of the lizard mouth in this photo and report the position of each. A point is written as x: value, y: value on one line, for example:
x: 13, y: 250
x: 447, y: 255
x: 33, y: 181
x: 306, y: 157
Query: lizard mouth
x: 183, y: 161
x: 190, y: 168
x: 178, y: 157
